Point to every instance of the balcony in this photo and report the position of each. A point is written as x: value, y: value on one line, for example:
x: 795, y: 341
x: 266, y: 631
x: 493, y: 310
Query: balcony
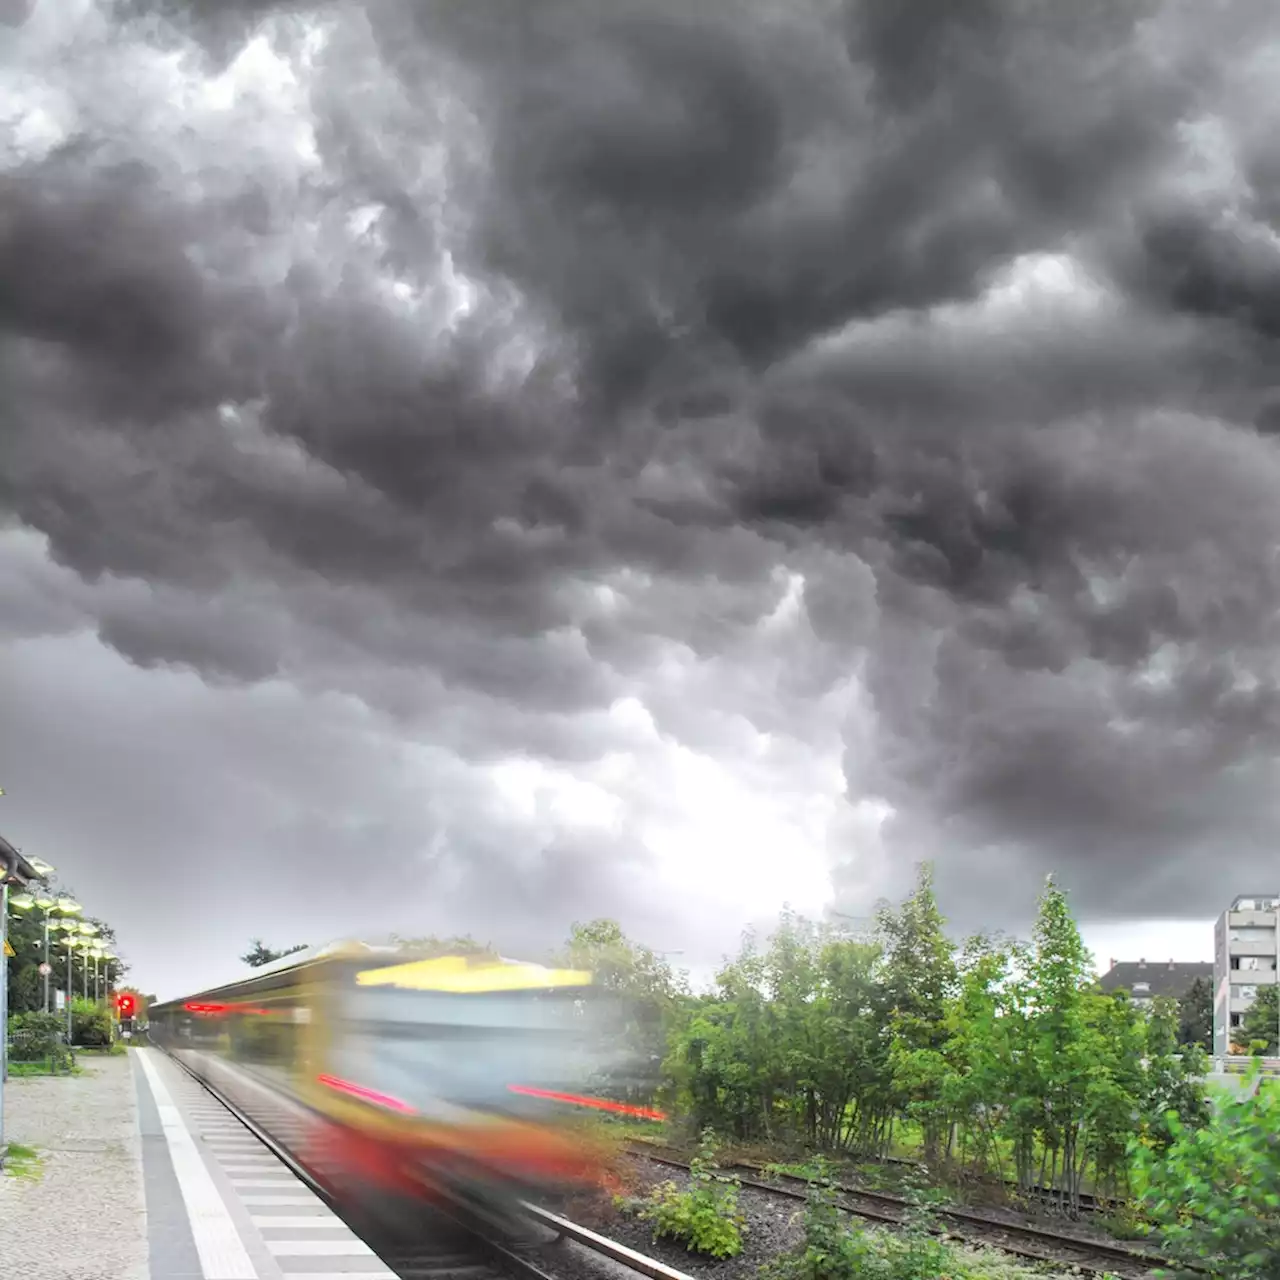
x: 1251, y: 920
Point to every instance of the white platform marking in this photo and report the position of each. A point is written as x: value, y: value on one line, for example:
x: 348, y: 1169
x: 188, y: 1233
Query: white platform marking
x: 344, y: 1275
x: 297, y: 1200
x: 349, y: 1248
x: 319, y: 1221
x: 218, y: 1244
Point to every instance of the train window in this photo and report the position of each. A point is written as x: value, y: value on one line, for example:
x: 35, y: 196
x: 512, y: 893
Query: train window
x: 434, y: 1051
x: 266, y: 1033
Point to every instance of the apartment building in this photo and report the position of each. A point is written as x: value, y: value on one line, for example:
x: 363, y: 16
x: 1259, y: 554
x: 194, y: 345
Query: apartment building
x: 1244, y: 959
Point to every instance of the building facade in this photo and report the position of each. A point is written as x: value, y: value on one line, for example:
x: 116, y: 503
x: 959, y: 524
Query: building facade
x: 1244, y: 959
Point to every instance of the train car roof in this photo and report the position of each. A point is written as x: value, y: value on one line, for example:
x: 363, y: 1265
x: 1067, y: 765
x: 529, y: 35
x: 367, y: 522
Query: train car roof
x: 453, y: 974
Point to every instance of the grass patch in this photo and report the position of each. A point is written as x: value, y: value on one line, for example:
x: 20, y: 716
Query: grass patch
x: 27, y: 1070
x: 23, y: 1162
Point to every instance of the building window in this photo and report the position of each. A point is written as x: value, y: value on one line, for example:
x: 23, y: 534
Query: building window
x: 1235, y: 1019
x: 1141, y: 988
x: 1243, y: 991
x: 1252, y: 934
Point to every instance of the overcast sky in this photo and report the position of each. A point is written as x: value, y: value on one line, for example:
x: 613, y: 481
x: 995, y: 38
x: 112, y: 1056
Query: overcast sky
x: 472, y: 467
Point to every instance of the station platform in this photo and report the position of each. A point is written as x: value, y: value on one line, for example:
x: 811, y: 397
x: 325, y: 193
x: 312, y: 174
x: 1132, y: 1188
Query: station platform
x: 197, y: 1196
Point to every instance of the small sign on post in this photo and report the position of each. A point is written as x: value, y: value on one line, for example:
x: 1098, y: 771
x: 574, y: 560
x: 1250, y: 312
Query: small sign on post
x: 45, y: 969
x: 59, y: 1000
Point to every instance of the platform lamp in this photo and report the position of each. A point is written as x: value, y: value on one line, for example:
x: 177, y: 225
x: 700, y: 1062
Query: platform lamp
x: 51, y: 909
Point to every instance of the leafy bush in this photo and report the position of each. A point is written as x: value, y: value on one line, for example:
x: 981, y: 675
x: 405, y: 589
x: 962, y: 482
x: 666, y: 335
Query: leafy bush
x: 705, y: 1218
x: 90, y: 1024
x: 39, y: 1037
x: 1214, y: 1194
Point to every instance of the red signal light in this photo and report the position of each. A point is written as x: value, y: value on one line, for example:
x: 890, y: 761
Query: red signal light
x: 125, y: 1004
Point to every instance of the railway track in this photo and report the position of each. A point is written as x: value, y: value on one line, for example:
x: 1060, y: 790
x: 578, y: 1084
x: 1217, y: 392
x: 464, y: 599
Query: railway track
x: 1038, y: 1244
x: 453, y: 1247
x: 1087, y: 1201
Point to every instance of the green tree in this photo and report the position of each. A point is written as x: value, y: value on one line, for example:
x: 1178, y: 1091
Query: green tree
x: 920, y: 977
x: 1061, y: 1049
x: 1214, y: 1192
x: 1261, y: 1022
x: 260, y: 954
x: 1195, y: 1015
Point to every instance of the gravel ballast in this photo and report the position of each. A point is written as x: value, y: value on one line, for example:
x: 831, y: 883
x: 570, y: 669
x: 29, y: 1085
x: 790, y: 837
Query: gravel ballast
x: 773, y: 1226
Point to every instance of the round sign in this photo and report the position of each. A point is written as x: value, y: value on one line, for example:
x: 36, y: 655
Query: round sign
x: 46, y: 970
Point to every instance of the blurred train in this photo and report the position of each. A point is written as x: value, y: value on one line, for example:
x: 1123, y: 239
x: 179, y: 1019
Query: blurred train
x: 397, y: 1080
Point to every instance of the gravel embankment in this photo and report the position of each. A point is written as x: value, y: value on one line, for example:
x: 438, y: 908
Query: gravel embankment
x: 773, y: 1227
x: 81, y: 1215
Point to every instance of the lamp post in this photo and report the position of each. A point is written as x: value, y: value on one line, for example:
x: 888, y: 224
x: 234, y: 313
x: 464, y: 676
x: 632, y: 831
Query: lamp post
x: 74, y: 940
x: 102, y: 959
x: 49, y: 907
x: 88, y: 940
x: 70, y: 928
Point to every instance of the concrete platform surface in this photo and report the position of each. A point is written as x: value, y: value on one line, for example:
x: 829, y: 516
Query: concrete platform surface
x: 143, y: 1175
x: 77, y: 1212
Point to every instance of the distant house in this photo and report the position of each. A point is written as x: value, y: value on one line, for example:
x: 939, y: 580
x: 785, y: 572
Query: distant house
x: 1146, y: 979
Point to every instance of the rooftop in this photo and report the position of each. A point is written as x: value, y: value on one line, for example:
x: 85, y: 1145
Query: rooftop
x: 1254, y: 902
x: 1163, y: 977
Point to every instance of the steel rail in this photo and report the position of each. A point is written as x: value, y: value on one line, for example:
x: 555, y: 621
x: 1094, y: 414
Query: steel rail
x: 602, y: 1244
x: 1086, y: 1200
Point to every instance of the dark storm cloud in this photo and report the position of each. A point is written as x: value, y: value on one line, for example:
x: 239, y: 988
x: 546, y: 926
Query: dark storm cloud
x: 736, y: 306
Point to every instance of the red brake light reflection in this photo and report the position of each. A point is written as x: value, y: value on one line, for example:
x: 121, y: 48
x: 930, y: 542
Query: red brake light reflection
x: 601, y: 1104
x: 205, y: 1008
x: 367, y: 1095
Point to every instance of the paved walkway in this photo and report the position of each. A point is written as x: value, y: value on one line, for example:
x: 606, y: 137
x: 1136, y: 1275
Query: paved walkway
x: 144, y: 1176
x: 79, y: 1213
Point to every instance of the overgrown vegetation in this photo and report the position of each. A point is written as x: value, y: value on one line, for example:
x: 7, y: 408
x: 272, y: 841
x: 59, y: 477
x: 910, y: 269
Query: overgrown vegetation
x: 1214, y: 1191
x: 834, y: 1248
x: 989, y: 1061
x: 39, y: 1039
x: 993, y: 1061
x: 1261, y: 1022
x: 704, y: 1217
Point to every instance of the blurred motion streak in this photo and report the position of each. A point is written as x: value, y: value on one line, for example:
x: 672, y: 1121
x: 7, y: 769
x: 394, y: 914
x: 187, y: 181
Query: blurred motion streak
x: 390, y: 1076
x: 601, y: 1104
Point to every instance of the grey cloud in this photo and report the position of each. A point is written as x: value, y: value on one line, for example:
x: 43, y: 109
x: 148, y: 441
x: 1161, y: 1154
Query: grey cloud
x: 729, y: 318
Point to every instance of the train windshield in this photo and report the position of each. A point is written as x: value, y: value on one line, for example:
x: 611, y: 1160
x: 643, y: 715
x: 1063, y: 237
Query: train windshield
x: 437, y: 1052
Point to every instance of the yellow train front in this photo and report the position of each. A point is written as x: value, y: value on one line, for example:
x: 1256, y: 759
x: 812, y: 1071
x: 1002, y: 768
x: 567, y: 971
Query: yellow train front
x: 396, y: 1079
